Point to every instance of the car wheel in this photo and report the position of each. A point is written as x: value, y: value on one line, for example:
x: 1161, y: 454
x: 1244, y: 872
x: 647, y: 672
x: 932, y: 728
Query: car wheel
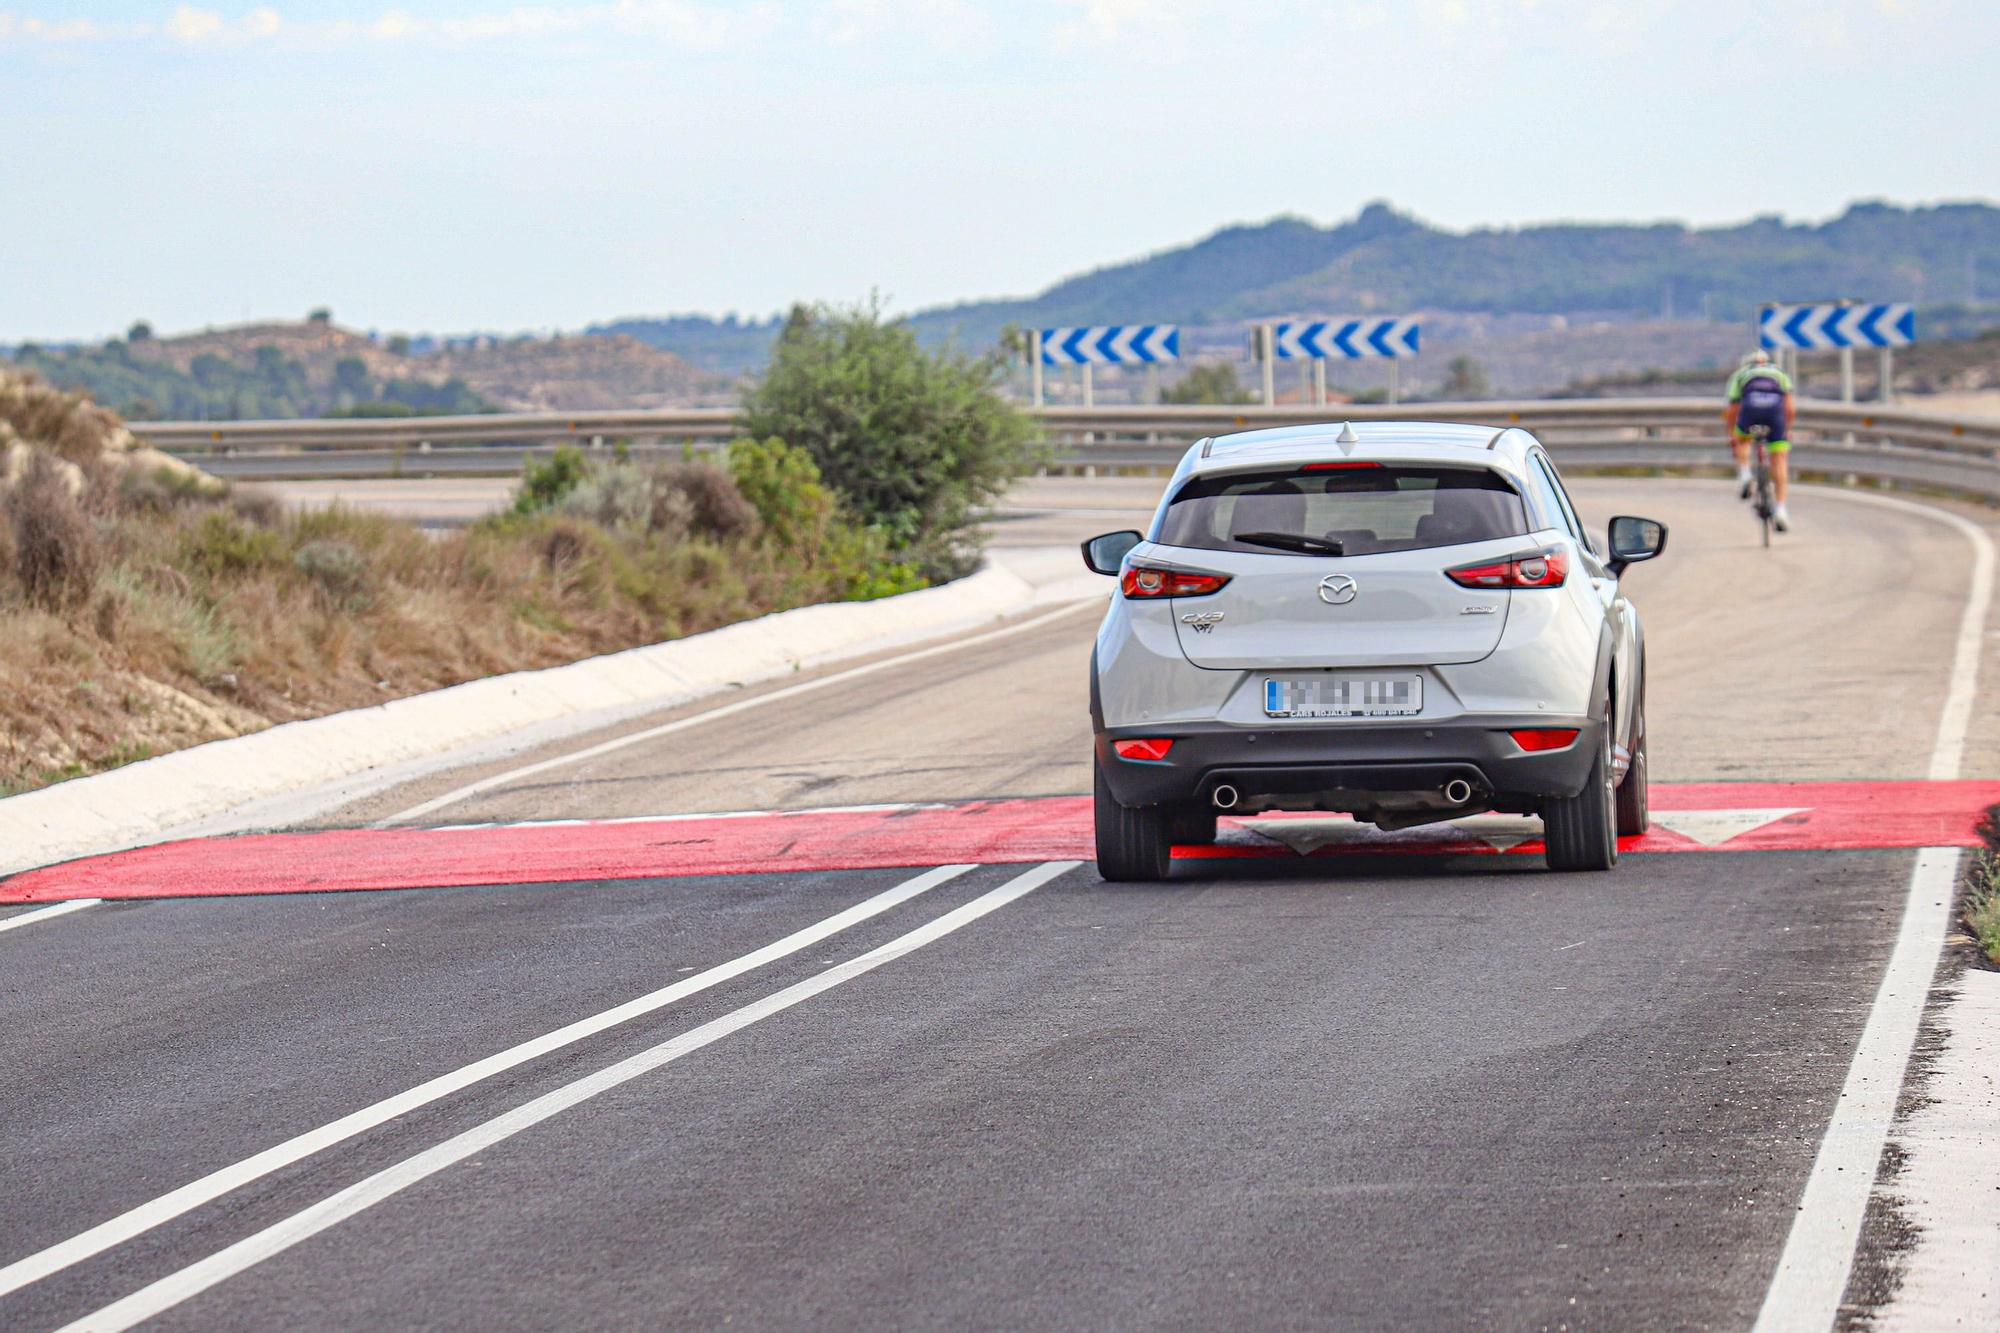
x: 1193, y: 825
x: 1581, y: 831
x: 1634, y: 817
x: 1133, y: 842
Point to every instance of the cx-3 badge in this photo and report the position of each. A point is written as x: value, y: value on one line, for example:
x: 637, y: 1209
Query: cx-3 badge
x: 1203, y: 621
x: 1337, y: 590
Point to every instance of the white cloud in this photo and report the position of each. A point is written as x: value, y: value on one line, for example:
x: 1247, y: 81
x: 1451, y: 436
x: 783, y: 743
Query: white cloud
x: 678, y: 22
x: 692, y: 24
x: 195, y: 26
x: 14, y: 27
x: 940, y: 24
x: 1156, y: 25
x: 191, y: 25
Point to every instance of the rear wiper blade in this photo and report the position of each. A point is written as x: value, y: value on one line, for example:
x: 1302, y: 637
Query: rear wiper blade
x: 1291, y: 541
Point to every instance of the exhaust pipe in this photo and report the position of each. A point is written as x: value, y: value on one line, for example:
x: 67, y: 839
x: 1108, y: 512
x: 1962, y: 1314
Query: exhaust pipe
x: 1225, y: 796
x: 1458, y: 791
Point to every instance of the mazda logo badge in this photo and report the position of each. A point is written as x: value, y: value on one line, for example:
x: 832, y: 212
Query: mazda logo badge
x: 1337, y: 590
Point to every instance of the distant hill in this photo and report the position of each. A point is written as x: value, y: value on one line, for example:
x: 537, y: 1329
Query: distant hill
x: 726, y: 346
x: 1387, y: 261
x: 316, y: 368
x: 1521, y: 280
x: 1393, y: 263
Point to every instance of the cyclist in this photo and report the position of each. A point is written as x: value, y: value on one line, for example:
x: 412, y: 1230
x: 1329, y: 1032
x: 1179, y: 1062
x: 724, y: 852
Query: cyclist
x: 1760, y: 394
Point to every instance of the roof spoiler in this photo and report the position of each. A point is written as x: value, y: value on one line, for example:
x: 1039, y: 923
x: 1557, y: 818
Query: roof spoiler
x: 1502, y: 434
x: 1346, y: 437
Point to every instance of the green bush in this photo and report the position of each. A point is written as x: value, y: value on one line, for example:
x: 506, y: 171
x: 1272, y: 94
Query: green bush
x: 338, y: 571
x: 223, y: 544
x: 783, y: 485
x: 914, y: 441
x: 543, y: 484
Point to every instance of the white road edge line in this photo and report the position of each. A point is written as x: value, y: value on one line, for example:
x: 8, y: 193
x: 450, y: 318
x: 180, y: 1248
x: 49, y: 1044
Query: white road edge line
x: 1806, y: 1290
x: 224, y: 1264
x: 1812, y: 1273
x: 44, y: 913
x: 136, y: 1221
x: 726, y: 710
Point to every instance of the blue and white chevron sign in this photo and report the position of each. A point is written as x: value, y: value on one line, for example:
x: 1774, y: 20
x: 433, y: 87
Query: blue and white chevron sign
x: 1346, y: 339
x: 1893, y: 325
x: 1114, y: 344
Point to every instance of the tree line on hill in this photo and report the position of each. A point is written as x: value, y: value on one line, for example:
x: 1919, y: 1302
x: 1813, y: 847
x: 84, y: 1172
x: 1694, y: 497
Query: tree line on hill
x: 215, y: 388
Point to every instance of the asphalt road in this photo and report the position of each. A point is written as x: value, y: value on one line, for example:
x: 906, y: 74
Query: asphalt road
x: 1387, y: 1091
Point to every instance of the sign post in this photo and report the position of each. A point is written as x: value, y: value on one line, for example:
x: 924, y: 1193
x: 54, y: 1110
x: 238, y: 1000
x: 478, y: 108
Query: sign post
x: 1349, y: 339
x: 1035, y: 363
x: 1105, y: 345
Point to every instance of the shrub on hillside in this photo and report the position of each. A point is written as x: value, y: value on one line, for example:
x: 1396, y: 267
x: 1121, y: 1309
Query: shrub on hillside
x: 676, y: 500
x: 55, y: 550
x: 338, y: 571
x: 914, y: 441
x: 543, y: 482
x: 807, y: 521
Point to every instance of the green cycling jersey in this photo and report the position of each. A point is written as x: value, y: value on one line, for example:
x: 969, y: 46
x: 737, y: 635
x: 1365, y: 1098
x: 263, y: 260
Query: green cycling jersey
x: 1747, y: 373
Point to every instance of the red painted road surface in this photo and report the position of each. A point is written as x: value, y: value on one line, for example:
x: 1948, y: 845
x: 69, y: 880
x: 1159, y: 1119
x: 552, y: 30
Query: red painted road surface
x: 1733, y: 817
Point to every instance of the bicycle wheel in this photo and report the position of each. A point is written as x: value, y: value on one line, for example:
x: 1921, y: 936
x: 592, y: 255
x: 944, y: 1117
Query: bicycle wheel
x: 1765, y: 507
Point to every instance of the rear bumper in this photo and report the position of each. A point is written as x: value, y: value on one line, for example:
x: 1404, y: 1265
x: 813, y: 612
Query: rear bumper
x: 1353, y: 759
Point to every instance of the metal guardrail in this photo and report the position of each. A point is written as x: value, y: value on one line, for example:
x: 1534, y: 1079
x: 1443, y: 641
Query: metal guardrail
x: 1891, y: 444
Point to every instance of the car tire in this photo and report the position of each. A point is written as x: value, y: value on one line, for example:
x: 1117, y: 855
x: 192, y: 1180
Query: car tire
x: 1581, y: 831
x: 1634, y: 815
x: 1134, y: 843
x: 1193, y: 826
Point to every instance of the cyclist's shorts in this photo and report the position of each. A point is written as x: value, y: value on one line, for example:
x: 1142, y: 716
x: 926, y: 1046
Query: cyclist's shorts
x: 1770, y: 446
x: 1748, y: 418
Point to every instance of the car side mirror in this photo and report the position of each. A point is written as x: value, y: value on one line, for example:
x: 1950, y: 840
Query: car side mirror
x: 1634, y: 539
x: 1106, y: 554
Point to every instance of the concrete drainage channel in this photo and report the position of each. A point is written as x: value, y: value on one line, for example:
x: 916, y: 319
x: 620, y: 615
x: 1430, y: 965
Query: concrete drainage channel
x: 354, y: 752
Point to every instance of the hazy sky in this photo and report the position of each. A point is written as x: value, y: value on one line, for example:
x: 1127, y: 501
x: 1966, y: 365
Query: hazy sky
x: 484, y: 165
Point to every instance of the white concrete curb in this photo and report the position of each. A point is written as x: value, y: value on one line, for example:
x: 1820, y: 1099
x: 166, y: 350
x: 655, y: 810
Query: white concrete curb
x: 143, y: 801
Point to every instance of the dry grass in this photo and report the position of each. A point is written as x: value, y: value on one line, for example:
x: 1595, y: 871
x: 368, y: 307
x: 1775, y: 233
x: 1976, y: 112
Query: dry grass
x: 142, y: 611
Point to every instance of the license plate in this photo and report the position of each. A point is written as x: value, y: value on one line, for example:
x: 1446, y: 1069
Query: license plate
x: 1345, y: 696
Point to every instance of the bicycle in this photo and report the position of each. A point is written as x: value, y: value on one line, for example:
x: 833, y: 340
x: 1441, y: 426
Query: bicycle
x: 1765, y: 506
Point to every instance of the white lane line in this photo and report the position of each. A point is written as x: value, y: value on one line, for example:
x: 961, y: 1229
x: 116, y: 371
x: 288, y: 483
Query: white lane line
x: 1812, y: 1273
x: 117, y: 1230
x: 513, y: 775
x: 44, y: 913
x: 198, y: 1277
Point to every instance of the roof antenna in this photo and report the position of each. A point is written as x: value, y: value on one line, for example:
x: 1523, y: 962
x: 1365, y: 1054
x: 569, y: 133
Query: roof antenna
x: 1347, y: 435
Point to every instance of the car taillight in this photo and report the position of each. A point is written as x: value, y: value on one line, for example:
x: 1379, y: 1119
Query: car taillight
x: 1150, y: 581
x: 1146, y: 751
x: 1543, y: 569
x: 1543, y: 738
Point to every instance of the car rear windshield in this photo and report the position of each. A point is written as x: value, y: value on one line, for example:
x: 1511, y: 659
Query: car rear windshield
x: 1349, y: 509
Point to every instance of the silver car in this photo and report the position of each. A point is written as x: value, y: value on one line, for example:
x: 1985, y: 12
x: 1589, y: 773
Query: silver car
x: 1404, y: 621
